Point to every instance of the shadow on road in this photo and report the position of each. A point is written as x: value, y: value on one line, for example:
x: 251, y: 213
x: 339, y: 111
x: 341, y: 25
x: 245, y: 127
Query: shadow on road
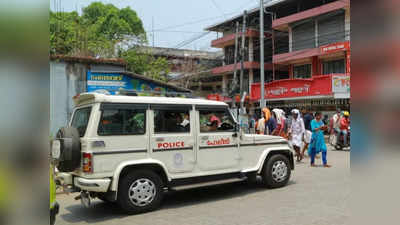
x: 101, y: 211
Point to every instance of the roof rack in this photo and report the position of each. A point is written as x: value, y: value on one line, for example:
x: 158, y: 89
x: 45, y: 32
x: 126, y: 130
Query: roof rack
x: 154, y: 93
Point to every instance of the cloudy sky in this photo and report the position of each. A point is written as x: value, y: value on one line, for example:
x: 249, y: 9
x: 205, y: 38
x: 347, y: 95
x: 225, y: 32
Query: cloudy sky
x: 175, y: 21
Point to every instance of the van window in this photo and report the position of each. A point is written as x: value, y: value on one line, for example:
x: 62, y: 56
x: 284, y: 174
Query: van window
x: 216, y: 121
x: 80, y: 120
x: 171, y: 121
x: 122, y: 122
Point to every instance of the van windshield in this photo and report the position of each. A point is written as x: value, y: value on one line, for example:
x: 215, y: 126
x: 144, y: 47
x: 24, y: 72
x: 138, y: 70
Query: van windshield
x: 81, y: 119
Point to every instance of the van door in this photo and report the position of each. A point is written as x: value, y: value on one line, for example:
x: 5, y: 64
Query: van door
x: 217, y: 144
x: 172, y: 137
x: 122, y: 129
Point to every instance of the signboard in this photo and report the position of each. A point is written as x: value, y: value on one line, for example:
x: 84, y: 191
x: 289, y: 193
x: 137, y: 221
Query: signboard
x: 341, y: 86
x: 292, y: 88
x: 342, y: 46
x: 112, y: 82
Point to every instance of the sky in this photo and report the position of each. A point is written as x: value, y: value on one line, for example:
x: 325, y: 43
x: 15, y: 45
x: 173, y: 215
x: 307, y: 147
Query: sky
x: 175, y: 21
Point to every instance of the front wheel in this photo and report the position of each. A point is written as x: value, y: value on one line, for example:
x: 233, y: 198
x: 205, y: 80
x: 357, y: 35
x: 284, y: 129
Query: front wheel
x: 276, y: 171
x: 140, y: 191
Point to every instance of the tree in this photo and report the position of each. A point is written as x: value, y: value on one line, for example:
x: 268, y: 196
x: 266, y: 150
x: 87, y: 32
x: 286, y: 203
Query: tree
x: 99, y: 31
x: 103, y: 30
x: 142, y: 62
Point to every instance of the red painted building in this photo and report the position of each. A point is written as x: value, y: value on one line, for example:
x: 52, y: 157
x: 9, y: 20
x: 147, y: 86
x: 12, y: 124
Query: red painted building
x: 309, y: 63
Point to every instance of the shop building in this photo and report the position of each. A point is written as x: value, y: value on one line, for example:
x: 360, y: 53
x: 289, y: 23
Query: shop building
x: 307, y: 54
x: 71, y: 75
x: 317, y: 55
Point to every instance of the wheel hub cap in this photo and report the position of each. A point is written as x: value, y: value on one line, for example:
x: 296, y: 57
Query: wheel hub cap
x: 142, y: 192
x: 279, y: 171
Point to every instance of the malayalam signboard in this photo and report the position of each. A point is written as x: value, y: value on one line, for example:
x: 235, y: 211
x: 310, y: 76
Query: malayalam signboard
x: 112, y: 82
x: 292, y: 88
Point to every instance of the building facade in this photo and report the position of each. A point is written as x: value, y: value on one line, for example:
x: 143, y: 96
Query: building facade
x: 307, y: 49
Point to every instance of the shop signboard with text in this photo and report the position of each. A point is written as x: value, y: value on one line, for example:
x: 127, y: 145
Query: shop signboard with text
x: 292, y: 88
x: 112, y: 82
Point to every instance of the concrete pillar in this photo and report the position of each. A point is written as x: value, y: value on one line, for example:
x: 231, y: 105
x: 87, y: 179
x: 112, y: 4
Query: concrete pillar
x: 315, y: 66
x: 224, y: 83
x: 347, y: 24
x: 251, y: 49
x: 291, y: 71
x: 251, y: 79
x: 316, y: 33
x: 290, y: 38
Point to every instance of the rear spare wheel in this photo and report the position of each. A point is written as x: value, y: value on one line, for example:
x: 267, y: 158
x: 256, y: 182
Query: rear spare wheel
x: 70, y: 149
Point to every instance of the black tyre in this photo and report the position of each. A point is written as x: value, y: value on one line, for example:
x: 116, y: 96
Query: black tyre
x: 140, y: 191
x: 104, y: 198
x: 70, y: 151
x: 276, y: 172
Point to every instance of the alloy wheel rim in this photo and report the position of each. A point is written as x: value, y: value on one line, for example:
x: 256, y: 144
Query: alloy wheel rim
x: 142, y: 192
x: 279, y: 171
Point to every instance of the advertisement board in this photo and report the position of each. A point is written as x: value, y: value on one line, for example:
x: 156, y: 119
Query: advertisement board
x: 112, y: 82
x: 292, y: 88
x: 341, y: 86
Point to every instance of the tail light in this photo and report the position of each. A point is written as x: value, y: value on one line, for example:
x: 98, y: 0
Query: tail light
x: 87, y: 165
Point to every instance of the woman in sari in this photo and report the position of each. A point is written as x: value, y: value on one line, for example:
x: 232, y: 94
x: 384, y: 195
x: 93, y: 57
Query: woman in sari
x: 317, y: 144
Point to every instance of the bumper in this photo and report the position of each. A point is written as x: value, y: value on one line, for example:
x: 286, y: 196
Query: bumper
x: 95, y: 185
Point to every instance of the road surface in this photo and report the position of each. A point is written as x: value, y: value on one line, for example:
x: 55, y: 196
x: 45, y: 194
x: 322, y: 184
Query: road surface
x: 313, y: 196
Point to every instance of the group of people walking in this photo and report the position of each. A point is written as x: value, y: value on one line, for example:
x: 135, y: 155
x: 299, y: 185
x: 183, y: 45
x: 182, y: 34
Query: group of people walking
x: 305, y: 131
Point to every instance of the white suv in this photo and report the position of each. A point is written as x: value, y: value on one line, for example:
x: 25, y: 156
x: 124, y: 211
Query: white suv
x: 133, y: 149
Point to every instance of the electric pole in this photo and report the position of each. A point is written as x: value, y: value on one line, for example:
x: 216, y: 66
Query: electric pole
x: 234, y: 85
x: 152, y: 27
x: 242, y: 55
x: 262, y: 101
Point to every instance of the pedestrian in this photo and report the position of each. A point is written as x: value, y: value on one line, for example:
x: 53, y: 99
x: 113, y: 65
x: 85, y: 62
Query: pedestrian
x: 344, y: 127
x: 307, y: 117
x: 317, y: 144
x: 267, y: 124
x: 296, y: 133
x: 336, y: 126
x: 270, y: 125
x: 280, y: 122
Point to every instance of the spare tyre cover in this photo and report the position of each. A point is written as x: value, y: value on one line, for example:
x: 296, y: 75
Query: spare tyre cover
x: 70, y: 151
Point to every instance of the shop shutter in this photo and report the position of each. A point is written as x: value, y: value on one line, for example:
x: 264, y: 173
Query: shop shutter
x: 331, y: 28
x: 303, y: 35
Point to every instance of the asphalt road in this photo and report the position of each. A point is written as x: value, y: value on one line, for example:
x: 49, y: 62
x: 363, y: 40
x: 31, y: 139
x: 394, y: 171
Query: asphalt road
x: 313, y: 196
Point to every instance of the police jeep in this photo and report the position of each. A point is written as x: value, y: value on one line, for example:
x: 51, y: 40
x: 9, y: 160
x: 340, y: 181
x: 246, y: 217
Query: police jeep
x: 131, y: 150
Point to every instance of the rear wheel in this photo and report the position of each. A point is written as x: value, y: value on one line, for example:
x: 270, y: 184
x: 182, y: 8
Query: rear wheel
x: 140, y: 191
x: 276, y: 172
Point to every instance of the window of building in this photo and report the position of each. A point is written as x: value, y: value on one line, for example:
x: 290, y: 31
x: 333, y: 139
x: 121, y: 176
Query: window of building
x: 302, y: 71
x: 172, y: 120
x: 122, y: 122
x: 216, y: 120
x: 334, y: 66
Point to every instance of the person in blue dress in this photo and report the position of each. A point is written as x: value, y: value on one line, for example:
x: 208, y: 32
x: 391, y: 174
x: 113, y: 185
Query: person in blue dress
x: 317, y: 144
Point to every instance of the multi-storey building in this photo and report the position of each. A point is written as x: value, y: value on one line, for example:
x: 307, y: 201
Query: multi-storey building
x: 307, y: 48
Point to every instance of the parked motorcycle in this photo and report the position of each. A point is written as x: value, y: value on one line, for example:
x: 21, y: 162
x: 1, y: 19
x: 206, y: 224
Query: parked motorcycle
x: 340, y: 143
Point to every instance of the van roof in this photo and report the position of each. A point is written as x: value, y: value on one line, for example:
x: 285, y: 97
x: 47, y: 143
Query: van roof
x: 88, y: 98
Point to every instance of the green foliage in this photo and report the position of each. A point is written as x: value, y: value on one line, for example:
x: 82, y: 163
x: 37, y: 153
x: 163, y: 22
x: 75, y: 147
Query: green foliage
x: 141, y: 62
x: 99, y: 31
x: 103, y: 30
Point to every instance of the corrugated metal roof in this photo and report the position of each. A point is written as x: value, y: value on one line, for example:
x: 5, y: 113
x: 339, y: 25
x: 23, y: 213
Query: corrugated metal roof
x: 89, y: 60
